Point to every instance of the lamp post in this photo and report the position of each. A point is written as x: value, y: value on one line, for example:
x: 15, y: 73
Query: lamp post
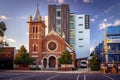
x: 87, y: 65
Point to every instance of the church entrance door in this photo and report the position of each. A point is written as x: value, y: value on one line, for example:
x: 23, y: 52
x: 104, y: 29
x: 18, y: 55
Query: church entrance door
x: 52, y: 62
x: 45, y: 62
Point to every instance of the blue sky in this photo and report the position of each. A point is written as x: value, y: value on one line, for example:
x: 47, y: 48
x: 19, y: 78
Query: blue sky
x: 15, y: 14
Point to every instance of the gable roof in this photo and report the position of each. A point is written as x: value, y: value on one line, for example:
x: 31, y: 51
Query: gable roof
x: 52, y: 32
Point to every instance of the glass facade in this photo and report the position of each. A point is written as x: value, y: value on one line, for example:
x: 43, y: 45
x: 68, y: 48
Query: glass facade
x: 72, y: 26
x: 113, y: 44
x: 72, y: 30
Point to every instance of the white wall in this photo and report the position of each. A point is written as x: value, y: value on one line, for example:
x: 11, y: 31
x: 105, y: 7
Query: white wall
x: 46, y: 23
x: 84, y: 50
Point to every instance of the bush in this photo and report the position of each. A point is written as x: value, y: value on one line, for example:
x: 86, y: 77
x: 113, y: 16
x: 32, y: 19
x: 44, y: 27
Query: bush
x: 75, y: 68
x: 23, y: 57
x: 95, y: 67
x: 65, y: 58
x: 35, y: 69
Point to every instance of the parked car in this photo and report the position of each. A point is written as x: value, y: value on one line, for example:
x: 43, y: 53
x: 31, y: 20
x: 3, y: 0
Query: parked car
x: 83, y: 64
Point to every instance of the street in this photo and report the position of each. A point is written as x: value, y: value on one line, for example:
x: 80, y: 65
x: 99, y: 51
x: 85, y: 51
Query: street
x: 56, y: 76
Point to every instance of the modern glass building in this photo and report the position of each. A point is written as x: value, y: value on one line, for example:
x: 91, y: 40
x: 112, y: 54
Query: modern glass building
x: 72, y: 30
x: 113, y: 43
x: 110, y: 53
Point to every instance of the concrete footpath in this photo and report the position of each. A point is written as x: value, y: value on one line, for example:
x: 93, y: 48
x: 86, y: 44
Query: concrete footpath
x: 80, y: 70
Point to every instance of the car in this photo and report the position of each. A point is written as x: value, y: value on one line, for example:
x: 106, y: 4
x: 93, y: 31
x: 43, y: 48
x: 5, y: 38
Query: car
x: 83, y: 64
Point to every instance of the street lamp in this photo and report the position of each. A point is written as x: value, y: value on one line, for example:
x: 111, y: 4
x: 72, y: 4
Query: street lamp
x: 87, y: 65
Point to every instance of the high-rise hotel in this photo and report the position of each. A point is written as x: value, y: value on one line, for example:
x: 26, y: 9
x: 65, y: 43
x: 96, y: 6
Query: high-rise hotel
x: 58, y: 19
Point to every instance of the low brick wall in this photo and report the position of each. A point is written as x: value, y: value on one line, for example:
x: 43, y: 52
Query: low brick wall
x: 22, y: 67
x: 66, y: 69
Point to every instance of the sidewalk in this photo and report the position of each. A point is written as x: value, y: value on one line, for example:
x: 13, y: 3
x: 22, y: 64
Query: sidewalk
x: 80, y: 70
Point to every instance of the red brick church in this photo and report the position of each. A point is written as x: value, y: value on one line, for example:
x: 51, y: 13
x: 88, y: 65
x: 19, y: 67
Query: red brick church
x: 46, y: 49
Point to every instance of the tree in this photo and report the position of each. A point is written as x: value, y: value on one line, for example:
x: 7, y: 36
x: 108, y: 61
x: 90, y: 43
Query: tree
x: 23, y: 57
x: 65, y: 58
x: 2, y: 28
x: 95, y: 62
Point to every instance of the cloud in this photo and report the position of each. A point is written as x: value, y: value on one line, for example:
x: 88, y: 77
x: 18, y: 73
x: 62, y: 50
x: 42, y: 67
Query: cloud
x: 105, y: 20
x: 87, y: 1
x: 2, y: 17
x: 75, y: 0
x: 117, y: 22
x: 27, y: 33
x: 91, y: 49
x: 112, y: 8
x: 59, y: 1
x: 111, y: 17
x: 105, y: 24
x: 9, y: 39
x: 92, y: 20
x: 96, y: 16
x: 21, y: 17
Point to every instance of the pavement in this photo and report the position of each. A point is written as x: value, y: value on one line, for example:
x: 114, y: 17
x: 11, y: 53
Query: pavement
x: 80, y: 70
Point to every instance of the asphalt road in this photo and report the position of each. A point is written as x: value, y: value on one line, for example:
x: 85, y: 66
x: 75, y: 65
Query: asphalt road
x: 56, y: 76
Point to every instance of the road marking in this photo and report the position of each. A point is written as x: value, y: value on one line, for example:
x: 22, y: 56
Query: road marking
x: 78, y: 77
x: 16, y: 77
x: 84, y: 77
x: 109, y: 77
x: 52, y: 77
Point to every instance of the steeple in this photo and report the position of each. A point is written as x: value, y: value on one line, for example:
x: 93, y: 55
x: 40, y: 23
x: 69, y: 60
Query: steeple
x: 37, y: 15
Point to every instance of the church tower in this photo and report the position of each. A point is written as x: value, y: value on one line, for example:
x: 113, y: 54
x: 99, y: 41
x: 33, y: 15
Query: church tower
x: 36, y: 29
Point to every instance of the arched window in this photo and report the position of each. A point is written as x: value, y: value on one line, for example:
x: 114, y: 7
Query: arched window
x: 36, y: 29
x: 34, y: 47
x: 33, y: 29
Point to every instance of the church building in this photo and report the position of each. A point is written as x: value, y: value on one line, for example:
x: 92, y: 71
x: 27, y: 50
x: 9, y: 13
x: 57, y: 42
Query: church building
x: 46, y: 49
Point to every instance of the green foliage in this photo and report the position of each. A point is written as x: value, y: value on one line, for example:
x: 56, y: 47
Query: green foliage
x: 2, y: 28
x: 95, y: 62
x: 22, y: 57
x: 75, y: 68
x: 65, y: 58
x: 35, y: 69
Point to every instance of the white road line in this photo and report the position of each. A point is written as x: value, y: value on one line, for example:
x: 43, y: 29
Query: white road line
x: 16, y: 77
x: 109, y: 77
x: 78, y: 77
x: 52, y: 77
x: 84, y: 77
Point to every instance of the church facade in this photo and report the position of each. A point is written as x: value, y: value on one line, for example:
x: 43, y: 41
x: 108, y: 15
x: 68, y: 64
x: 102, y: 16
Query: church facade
x: 46, y: 50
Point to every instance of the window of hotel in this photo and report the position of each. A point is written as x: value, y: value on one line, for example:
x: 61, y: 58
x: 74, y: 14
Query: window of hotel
x: 58, y: 13
x: 58, y: 21
x: 72, y: 41
x: 80, y: 24
x: 80, y: 31
x: 72, y: 32
x: 80, y: 46
x: 80, y: 38
x: 72, y: 18
x: 72, y: 26
x: 80, y: 17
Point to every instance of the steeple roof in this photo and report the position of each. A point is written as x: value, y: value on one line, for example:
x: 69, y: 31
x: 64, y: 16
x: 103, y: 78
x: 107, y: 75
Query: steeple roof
x: 37, y: 14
